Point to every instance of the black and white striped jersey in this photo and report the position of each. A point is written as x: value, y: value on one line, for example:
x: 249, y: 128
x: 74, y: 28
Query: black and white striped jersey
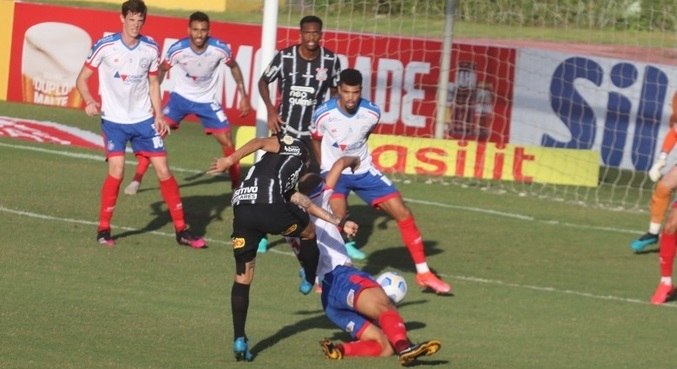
x: 303, y: 84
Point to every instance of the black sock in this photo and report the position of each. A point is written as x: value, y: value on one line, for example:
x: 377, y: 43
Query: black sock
x: 239, y: 303
x: 309, y: 257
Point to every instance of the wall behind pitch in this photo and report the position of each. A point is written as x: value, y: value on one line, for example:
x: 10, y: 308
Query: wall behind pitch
x: 205, y: 5
x: 6, y: 21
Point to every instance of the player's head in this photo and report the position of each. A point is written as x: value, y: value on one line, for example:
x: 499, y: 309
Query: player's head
x: 350, y: 89
x: 311, y: 32
x: 134, y: 7
x: 133, y: 16
x: 198, y: 29
x: 310, y: 183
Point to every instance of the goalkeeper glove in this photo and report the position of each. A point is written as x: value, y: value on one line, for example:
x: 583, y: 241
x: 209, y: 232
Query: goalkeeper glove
x: 655, y: 171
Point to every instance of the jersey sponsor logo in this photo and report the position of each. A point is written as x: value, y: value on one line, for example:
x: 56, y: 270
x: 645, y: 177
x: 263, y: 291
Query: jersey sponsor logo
x: 238, y: 243
x: 245, y: 193
x: 302, y: 95
x: 291, y: 150
x: 290, y: 230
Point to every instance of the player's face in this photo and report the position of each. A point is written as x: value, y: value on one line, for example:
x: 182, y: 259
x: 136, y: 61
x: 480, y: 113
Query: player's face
x: 349, y: 97
x: 311, y: 34
x: 198, y: 32
x: 132, y: 23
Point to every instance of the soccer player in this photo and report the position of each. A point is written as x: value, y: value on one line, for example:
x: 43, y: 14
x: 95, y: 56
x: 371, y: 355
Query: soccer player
x: 131, y: 112
x: 354, y: 301
x: 328, y: 236
x: 666, y: 258
x: 267, y: 202
x: 197, y: 61
x: 666, y: 186
x: 341, y: 127
x: 305, y: 72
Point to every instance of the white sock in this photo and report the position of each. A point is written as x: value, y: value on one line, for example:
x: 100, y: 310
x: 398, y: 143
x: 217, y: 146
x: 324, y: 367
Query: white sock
x: 422, y: 268
x: 666, y: 280
x: 654, y: 228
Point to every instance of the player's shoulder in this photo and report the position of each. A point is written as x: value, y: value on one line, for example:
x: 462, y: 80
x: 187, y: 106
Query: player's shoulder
x: 328, y: 53
x: 107, y: 40
x: 370, y: 106
x: 148, y: 40
x: 327, y: 106
x: 289, y: 50
x: 179, y: 45
x: 217, y: 43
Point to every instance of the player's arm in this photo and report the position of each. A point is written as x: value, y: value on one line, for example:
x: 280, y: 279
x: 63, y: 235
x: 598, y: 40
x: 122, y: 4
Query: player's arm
x: 164, y: 68
x: 334, y: 173
x: 91, y: 105
x: 244, y: 106
x: 156, y: 101
x: 269, y: 144
x: 273, y: 119
x: 303, y: 201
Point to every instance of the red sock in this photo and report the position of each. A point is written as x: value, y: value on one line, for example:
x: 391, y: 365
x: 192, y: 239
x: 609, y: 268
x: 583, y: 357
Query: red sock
x: 143, y: 162
x: 362, y: 348
x: 392, y: 324
x: 109, y: 197
x: 412, y: 239
x: 234, y: 170
x: 666, y: 253
x: 170, y: 193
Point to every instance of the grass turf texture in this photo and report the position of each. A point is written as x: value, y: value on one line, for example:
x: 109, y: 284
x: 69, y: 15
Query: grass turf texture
x: 537, y: 283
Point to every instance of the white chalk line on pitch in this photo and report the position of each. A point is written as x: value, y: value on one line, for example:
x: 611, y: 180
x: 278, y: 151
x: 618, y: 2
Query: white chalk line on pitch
x: 288, y: 253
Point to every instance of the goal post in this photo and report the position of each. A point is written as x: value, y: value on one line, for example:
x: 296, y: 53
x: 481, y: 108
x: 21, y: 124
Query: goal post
x: 530, y: 86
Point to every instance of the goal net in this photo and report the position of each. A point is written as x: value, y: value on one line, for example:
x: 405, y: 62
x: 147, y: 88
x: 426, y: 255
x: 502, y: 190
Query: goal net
x: 533, y: 89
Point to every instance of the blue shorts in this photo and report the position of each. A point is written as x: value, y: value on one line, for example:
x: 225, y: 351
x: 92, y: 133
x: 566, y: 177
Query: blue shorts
x: 211, y: 115
x: 143, y: 136
x: 372, y: 187
x: 340, y: 289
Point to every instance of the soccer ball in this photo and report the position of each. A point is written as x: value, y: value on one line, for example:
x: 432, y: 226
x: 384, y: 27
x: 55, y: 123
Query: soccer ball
x: 394, y: 286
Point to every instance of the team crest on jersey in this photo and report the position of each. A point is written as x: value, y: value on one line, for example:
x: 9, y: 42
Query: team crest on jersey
x: 238, y: 243
x: 321, y: 74
x: 287, y: 139
x: 144, y: 63
x: 290, y: 230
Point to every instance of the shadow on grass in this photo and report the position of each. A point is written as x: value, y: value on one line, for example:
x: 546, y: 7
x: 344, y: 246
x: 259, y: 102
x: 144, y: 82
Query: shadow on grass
x: 317, y: 319
x: 199, y: 211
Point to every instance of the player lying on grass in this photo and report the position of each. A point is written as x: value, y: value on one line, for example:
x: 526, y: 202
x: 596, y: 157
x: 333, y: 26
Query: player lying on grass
x: 352, y: 299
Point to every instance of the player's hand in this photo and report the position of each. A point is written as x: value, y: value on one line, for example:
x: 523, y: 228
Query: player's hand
x: 655, y: 171
x: 350, y: 229
x: 352, y: 162
x: 220, y: 165
x: 92, y: 108
x: 244, y: 107
x: 274, y: 122
x: 161, y: 127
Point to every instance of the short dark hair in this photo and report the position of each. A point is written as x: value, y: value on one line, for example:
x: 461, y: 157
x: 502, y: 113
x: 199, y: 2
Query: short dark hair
x: 311, y: 19
x: 351, y: 77
x: 135, y: 7
x: 198, y: 17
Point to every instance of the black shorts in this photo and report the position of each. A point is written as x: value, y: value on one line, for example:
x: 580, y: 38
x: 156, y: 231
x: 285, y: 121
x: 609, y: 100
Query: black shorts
x: 253, y: 222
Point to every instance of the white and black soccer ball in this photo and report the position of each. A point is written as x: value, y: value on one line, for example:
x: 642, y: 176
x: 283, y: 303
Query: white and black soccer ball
x: 394, y: 285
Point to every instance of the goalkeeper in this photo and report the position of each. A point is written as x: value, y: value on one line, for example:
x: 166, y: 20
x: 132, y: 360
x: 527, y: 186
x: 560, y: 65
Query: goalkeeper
x: 660, y: 198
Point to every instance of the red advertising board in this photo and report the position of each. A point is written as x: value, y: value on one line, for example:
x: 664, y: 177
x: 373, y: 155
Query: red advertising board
x: 401, y: 74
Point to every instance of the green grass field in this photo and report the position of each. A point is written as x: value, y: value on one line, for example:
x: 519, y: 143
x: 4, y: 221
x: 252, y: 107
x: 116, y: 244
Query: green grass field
x: 537, y: 283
